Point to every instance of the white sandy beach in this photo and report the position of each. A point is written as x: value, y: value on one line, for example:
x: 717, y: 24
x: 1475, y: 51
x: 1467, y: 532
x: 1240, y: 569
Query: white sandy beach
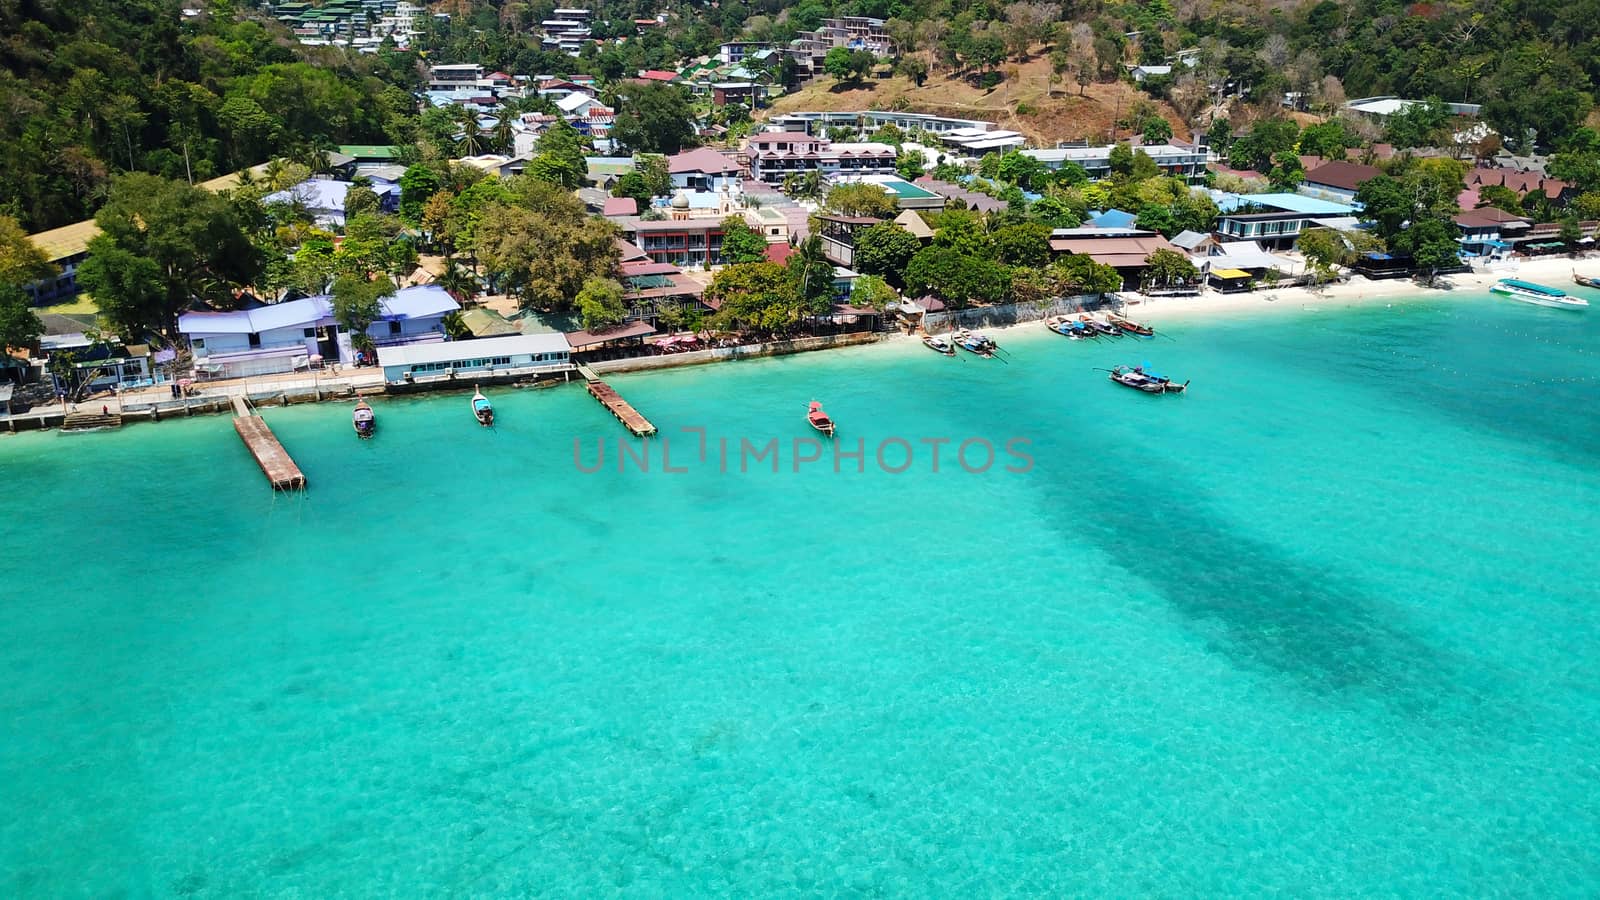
x: 1358, y: 291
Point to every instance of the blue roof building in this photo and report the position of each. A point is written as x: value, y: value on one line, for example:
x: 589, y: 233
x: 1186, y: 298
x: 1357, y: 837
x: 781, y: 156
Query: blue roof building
x: 324, y: 198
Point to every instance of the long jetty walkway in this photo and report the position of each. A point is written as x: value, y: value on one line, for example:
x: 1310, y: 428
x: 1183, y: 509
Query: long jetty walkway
x: 274, y: 461
x: 630, y: 418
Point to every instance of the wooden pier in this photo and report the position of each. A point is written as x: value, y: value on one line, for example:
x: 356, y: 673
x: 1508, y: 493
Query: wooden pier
x: 611, y: 400
x: 274, y: 461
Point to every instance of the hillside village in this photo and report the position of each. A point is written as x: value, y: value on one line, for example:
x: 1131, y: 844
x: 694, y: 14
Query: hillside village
x: 654, y: 210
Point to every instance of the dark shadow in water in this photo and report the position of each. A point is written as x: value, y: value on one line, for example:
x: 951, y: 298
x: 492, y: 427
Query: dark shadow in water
x: 1256, y: 605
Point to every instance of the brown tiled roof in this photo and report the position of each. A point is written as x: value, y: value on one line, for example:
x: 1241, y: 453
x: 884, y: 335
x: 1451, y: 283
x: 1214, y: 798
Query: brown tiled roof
x: 1487, y: 216
x: 1339, y: 174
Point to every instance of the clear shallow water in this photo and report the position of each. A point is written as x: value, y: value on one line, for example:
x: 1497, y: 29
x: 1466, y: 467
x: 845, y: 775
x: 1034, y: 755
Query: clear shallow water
x: 1325, y: 626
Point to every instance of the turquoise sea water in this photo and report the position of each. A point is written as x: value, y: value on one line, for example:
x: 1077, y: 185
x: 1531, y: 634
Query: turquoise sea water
x: 1327, y: 626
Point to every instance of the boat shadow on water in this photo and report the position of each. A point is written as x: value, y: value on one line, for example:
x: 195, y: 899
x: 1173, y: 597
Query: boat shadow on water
x: 1258, y: 606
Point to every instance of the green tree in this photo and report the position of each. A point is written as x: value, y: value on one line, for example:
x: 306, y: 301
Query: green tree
x: 632, y: 184
x: 1022, y: 170
x: 1167, y: 268
x: 1121, y: 159
x: 1327, y: 140
x: 962, y: 231
x: 1078, y: 274
x: 562, y: 156
x: 884, y: 249
x: 1157, y: 130
x: 543, y: 256
x: 850, y: 66
x: 957, y: 278
x: 21, y: 261
x: 1503, y: 198
x: 357, y: 303
x: 757, y: 296
x: 1421, y: 124
x: 872, y: 291
x: 417, y: 184
x: 1324, y: 250
x: 813, y: 276
x: 19, y: 327
x: 193, y: 239
x: 1025, y: 244
x: 361, y: 200
x: 909, y: 165
x: 1287, y: 172
x: 807, y: 186
x: 653, y: 118
x: 600, y: 303
x: 1260, y: 147
x: 741, y: 243
x: 860, y: 199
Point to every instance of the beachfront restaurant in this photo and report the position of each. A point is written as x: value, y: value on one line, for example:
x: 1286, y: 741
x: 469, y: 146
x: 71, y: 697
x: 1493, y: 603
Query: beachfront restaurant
x: 522, y: 354
x: 1229, y: 281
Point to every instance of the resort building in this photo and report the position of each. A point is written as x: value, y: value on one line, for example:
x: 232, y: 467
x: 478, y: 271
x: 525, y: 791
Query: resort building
x: 567, y: 30
x: 703, y: 169
x: 1188, y: 163
x: 1336, y: 181
x: 687, y: 243
x: 981, y: 141
x: 734, y: 52
x: 66, y: 247
x: 284, y: 337
x: 1489, y: 232
x: 324, y: 199
x: 98, y: 364
x: 520, y: 354
x: 775, y: 155
x: 870, y: 120
x: 1123, y: 249
x: 838, y: 234
x: 855, y: 32
x: 1275, y: 220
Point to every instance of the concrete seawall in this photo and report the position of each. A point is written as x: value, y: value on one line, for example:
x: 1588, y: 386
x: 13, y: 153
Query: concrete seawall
x: 155, y: 411
x: 745, y: 351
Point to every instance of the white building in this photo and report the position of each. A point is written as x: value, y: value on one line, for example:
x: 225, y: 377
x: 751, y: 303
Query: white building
x: 518, y: 354
x: 979, y: 141
x: 283, y: 337
x: 1188, y: 163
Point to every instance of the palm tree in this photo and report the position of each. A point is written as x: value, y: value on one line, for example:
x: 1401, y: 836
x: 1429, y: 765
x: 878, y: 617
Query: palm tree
x: 471, y: 141
x: 457, y: 282
x: 505, y: 135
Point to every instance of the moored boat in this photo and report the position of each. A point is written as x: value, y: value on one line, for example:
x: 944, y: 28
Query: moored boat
x: 1099, y: 326
x: 1149, y: 382
x: 1129, y: 326
x: 974, y: 342
x: 1066, y: 327
x: 481, y: 409
x: 1585, y: 281
x: 362, y: 418
x: 940, y: 345
x: 819, y: 419
x: 1537, y: 294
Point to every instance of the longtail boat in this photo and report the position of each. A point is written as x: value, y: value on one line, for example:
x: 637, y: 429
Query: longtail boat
x: 973, y: 342
x: 362, y: 419
x: 481, y: 410
x: 1129, y: 325
x: 940, y: 345
x: 1149, y: 382
x: 1585, y: 281
x: 1099, y: 326
x: 819, y: 419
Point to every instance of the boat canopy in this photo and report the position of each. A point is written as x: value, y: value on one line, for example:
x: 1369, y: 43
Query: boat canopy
x: 1534, y: 288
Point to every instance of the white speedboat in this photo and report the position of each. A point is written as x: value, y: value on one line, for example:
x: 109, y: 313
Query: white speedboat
x: 1538, y: 294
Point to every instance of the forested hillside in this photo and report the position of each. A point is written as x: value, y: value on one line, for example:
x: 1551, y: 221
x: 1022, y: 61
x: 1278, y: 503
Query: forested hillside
x: 89, y: 88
